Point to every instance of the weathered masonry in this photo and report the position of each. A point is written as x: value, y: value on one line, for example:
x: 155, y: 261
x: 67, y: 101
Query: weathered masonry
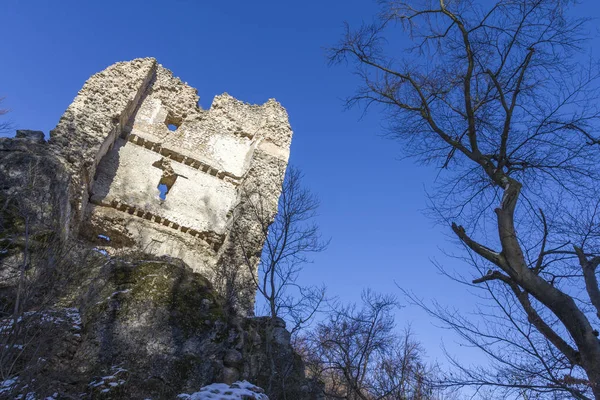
x: 152, y: 171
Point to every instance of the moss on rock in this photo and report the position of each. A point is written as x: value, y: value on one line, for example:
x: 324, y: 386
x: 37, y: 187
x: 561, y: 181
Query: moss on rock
x: 188, y: 297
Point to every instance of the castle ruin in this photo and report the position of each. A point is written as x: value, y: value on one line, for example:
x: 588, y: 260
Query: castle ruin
x: 152, y: 171
x: 129, y: 244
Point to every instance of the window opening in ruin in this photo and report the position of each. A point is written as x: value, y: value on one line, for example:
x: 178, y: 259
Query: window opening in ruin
x: 167, y: 181
x: 163, y: 190
x: 173, y: 122
x: 168, y: 178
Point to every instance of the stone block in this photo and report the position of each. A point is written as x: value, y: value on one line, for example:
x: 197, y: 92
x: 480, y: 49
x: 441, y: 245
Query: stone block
x: 32, y: 136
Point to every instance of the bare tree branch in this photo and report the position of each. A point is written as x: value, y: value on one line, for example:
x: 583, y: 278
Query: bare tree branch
x: 496, y: 96
x: 5, y: 126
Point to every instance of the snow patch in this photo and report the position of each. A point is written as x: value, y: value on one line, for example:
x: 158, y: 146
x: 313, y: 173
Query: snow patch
x: 222, y: 391
x: 7, y: 385
x: 55, y: 316
x: 106, y: 383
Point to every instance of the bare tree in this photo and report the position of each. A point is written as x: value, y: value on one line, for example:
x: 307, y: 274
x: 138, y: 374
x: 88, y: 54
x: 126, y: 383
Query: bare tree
x: 289, y: 240
x: 358, y: 355
x: 500, y: 96
x: 37, y: 268
x: 5, y: 126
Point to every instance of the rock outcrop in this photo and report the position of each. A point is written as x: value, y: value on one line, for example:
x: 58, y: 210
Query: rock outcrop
x: 117, y: 244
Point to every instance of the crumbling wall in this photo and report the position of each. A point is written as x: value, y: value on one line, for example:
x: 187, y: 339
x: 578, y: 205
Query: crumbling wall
x: 135, y: 325
x: 155, y: 172
x: 91, y: 124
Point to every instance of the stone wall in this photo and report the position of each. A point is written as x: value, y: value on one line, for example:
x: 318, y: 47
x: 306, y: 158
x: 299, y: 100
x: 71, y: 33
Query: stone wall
x: 92, y: 123
x: 154, y: 172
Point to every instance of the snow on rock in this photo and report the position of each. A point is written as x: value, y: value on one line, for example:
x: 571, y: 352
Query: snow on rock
x: 243, y: 390
x: 106, y: 383
x: 55, y: 316
x: 7, y: 385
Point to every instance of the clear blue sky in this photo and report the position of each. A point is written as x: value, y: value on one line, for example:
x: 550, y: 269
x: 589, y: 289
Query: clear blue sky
x: 371, y: 201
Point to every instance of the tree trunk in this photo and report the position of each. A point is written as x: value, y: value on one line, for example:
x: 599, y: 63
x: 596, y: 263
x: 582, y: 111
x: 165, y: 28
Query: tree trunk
x: 562, y: 305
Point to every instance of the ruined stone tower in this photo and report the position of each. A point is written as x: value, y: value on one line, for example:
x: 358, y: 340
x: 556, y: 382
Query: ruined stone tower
x: 129, y: 243
x: 152, y: 171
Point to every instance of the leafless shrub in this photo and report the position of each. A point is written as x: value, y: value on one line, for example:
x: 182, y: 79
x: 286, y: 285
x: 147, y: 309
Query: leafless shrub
x: 38, y: 270
x: 289, y: 240
x: 5, y: 125
x: 358, y: 354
